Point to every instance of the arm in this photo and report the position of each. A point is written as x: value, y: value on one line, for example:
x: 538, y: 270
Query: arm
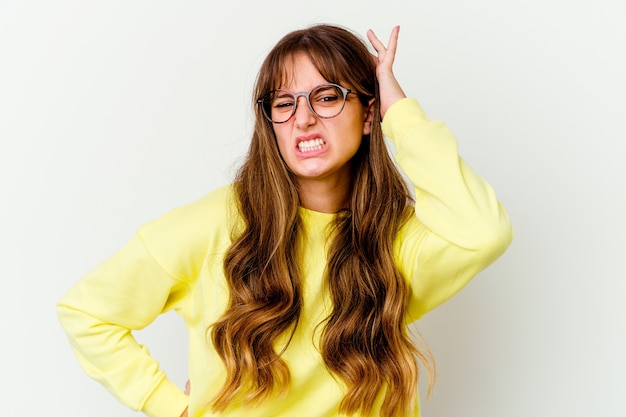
x: 460, y: 227
x: 155, y: 272
x: 451, y: 199
x: 125, y: 293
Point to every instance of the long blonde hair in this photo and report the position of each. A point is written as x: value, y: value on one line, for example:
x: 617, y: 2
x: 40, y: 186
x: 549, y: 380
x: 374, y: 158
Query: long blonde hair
x: 364, y: 340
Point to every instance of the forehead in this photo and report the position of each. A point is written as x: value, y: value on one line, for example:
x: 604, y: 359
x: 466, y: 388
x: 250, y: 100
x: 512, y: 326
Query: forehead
x: 299, y: 73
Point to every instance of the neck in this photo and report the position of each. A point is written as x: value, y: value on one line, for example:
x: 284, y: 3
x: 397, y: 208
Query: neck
x: 324, y: 196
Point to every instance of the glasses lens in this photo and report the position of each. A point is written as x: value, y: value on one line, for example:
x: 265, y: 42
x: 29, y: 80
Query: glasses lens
x: 278, y: 105
x: 327, y: 100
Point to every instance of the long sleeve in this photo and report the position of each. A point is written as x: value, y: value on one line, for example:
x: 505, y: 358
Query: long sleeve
x: 126, y: 292
x: 459, y: 227
x: 152, y: 274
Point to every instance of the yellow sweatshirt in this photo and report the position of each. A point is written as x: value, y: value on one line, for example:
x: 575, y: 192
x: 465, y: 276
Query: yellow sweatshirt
x: 175, y: 262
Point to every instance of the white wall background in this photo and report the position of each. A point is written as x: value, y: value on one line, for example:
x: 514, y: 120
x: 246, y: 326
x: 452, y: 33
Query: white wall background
x: 112, y: 113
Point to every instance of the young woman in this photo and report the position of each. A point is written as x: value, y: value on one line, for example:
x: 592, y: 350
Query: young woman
x: 298, y: 280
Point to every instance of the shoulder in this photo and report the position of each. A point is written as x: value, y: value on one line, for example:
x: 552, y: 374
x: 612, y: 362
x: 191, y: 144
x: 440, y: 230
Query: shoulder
x: 202, y: 214
x: 180, y: 239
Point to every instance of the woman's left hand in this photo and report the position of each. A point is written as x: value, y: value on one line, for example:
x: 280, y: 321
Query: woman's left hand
x: 390, y: 90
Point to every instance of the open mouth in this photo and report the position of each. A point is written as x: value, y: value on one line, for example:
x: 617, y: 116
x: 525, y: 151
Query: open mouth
x: 311, y: 145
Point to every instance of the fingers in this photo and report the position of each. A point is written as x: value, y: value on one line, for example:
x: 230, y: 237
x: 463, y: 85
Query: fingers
x: 393, y: 43
x: 187, y: 387
x: 390, y: 90
x: 386, y: 54
x: 376, y: 43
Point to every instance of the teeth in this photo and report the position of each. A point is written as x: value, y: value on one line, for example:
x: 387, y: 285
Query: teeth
x: 311, y: 145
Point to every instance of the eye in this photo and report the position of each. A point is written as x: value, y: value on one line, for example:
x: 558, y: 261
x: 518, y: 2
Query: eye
x: 329, y: 97
x: 282, y: 101
x: 326, y: 95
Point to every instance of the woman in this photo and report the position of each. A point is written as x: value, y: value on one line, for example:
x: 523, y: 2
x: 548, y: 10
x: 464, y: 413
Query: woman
x: 297, y: 282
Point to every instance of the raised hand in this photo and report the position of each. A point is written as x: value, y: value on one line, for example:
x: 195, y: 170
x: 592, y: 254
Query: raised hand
x: 390, y: 90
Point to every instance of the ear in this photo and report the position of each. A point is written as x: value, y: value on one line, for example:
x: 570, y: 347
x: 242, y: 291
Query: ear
x: 369, y: 116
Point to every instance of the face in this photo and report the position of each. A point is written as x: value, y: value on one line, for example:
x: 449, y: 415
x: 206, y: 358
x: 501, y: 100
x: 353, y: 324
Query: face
x: 317, y: 149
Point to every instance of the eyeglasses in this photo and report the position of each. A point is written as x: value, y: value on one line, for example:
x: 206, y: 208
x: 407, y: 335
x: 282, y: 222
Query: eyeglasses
x: 325, y: 101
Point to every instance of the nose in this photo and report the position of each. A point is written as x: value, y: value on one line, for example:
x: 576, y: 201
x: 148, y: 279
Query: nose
x: 304, y: 116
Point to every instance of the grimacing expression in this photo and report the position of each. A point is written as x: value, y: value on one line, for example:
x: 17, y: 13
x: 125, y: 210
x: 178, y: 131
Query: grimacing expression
x: 315, y: 148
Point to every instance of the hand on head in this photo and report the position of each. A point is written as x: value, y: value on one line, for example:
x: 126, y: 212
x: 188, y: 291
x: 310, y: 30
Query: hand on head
x: 390, y: 90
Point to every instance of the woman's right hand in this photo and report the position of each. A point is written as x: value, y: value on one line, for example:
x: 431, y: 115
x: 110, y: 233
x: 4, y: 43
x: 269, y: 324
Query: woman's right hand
x: 187, y: 391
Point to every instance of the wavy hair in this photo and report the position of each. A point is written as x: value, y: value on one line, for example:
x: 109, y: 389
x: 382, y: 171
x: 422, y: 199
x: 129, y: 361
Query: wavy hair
x: 364, y: 340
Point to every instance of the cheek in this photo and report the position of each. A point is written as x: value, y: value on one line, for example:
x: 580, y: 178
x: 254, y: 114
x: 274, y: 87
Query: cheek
x: 357, y: 122
x: 357, y: 129
x: 282, y: 140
